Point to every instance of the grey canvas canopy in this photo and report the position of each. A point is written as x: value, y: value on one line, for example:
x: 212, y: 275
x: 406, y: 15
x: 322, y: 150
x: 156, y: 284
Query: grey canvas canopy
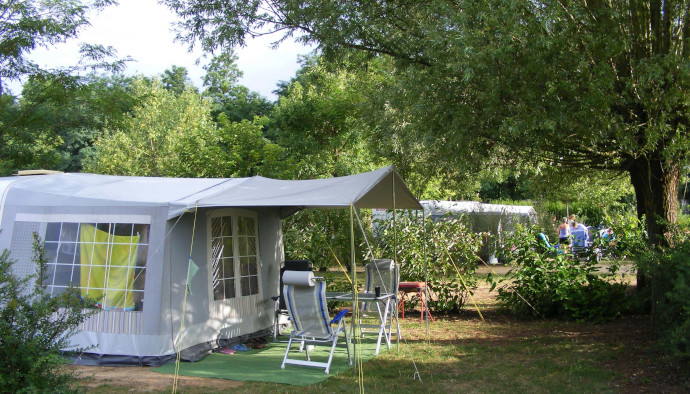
x: 382, y: 188
x: 131, y: 240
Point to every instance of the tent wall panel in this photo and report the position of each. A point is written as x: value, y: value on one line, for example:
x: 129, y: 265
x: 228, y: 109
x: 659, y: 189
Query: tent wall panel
x: 121, y: 322
x: 22, y: 248
x: 272, y: 253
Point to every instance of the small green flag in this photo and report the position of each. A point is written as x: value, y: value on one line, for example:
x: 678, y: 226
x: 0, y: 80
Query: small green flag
x: 192, y: 268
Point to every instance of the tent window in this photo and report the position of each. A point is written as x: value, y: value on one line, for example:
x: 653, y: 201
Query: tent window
x: 107, y: 261
x: 222, y: 258
x: 234, y: 256
x: 249, y: 271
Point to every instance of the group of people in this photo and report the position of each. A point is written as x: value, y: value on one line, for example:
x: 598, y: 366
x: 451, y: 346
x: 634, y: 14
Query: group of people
x: 567, y: 226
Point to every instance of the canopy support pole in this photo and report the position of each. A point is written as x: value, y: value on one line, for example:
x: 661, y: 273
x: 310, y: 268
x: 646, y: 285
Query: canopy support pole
x: 353, y: 270
x: 395, y: 257
x: 426, y: 272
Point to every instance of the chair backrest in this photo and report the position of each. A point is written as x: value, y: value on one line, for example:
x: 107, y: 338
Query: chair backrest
x: 306, y: 304
x: 381, y: 273
x: 291, y: 265
x: 579, y: 238
x: 545, y: 240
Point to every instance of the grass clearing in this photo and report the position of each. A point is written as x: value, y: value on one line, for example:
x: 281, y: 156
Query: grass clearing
x: 465, y: 354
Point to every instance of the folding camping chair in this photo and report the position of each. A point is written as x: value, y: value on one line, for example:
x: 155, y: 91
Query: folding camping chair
x: 547, y: 245
x: 580, y: 241
x: 281, y: 317
x: 305, y: 297
x: 384, y: 275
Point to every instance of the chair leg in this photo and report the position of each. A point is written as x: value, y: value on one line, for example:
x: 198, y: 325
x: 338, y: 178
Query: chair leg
x: 347, y: 345
x: 330, y: 356
x: 424, y: 306
x: 287, y: 350
x: 402, y: 302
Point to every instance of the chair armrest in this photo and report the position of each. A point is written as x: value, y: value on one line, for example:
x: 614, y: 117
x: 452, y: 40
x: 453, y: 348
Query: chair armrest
x: 339, y: 316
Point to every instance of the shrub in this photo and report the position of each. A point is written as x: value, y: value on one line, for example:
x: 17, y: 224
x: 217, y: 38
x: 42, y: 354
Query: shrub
x: 668, y: 270
x: 545, y: 284
x: 318, y: 235
x: 33, y: 329
x: 445, y: 252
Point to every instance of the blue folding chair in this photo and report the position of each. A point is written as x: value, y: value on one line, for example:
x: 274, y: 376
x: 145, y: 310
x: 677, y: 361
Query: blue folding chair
x: 549, y: 247
x: 306, y: 303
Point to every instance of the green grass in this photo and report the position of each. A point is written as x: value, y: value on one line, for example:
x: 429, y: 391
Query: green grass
x: 474, y: 356
x: 500, y: 354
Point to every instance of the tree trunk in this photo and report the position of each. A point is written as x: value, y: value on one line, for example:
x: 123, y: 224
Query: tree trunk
x: 656, y: 189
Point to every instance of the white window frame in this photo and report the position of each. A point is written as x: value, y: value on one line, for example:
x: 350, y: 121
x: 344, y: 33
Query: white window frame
x: 44, y: 219
x: 235, y: 213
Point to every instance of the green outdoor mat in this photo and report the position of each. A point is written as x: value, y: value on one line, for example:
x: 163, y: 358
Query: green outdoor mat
x: 264, y: 364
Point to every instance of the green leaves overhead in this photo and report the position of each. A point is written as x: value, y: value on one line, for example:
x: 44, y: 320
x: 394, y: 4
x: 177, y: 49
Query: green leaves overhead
x: 599, y: 85
x: 27, y: 25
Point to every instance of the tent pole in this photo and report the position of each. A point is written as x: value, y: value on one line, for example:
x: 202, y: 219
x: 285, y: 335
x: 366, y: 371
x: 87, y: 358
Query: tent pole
x: 395, y: 258
x: 426, y: 272
x: 354, y: 289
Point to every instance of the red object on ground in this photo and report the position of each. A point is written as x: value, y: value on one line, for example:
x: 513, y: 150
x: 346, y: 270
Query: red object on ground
x: 418, y: 288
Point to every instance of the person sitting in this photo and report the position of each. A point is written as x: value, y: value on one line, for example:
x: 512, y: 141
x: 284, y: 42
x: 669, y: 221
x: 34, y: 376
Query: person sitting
x: 577, y: 226
x: 579, y: 233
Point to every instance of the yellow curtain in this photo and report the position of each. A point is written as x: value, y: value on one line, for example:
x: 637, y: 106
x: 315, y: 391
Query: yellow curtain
x: 107, y: 267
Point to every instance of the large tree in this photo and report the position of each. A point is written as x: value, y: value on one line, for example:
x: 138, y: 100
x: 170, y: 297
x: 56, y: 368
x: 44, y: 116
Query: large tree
x: 222, y: 85
x: 53, y: 126
x: 170, y: 134
x: 595, y: 84
x: 36, y: 130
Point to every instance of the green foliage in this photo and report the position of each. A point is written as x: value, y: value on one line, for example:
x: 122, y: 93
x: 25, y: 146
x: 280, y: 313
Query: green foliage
x: 443, y: 253
x: 168, y: 134
x: 668, y: 270
x: 577, y: 85
x: 33, y: 329
x: 27, y: 25
x: 320, y: 236
x: 317, y: 121
x: 545, y: 284
x: 227, y: 95
x: 176, y: 80
x: 56, y: 121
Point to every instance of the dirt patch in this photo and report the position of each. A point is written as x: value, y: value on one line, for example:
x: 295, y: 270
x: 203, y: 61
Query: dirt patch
x: 142, y: 379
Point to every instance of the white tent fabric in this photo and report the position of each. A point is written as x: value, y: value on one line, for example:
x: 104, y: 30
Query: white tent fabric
x: 176, y: 235
x: 439, y: 208
x: 382, y: 188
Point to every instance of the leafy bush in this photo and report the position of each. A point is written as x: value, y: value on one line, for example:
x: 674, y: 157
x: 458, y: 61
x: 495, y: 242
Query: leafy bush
x: 545, y: 284
x: 318, y: 235
x: 444, y: 252
x: 668, y: 270
x: 33, y: 329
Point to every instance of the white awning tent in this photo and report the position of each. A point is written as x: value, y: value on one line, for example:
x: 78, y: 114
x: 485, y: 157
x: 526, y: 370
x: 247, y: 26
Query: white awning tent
x: 382, y: 188
x: 436, y: 208
x: 496, y: 219
x: 173, y: 216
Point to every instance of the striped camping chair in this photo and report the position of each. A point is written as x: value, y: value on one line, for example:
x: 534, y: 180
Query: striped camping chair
x: 306, y: 303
